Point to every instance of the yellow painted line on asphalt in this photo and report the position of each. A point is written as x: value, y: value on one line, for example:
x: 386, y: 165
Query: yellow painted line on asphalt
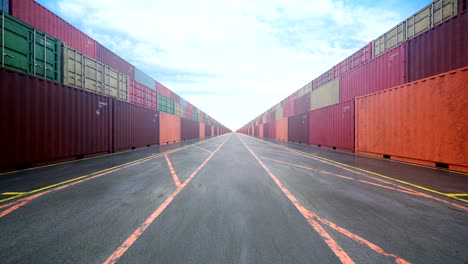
x: 367, y: 171
x: 97, y: 172
x: 13, y: 193
x: 457, y: 194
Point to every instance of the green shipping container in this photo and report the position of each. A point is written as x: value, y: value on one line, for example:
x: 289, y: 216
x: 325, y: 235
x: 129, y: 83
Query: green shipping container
x: 28, y: 50
x: 195, y: 115
x: 166, y: 104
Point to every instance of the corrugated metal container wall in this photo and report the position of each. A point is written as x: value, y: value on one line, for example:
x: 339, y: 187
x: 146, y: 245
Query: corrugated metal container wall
x: 41, y: 18
x: 256, y: 131
x: 112, y: 60
x: 208, y: 131
x: 385, y: 71
x: 49, y: 121
x: 169, y: 128
x: 288, y: 109
x: 297, y: 128
x: 212, y: 131
x: 302, y: 104
x: 431, y: 15
x: 273, y: 116
x: 134, y: 126
x: 282, y: 129
x: 5, y: 6
x: 28, y: 50
x: 151, y: 98
x: 84, y: 72
x: 357, y: 59
x: 201, y: 130
x: 279, y: 112
x: 272, y: 129
x: 144, y: 78
x: 325, y: 95
x: 141, y: 95
x: 424, y: 122
x: 161, y: 89
x: 462, y: 6
x: 266, y: 130
x: 323, y: 79
x: 333, y: 126
x: 189, y: 129
x: 439, y: 50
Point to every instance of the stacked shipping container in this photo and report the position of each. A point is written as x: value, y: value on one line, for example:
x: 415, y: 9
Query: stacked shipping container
x: 431, y: 42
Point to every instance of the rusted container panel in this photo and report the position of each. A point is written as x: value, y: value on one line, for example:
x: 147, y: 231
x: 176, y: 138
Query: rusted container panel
x: 323, y: 79
x: 282, y: 129
x: 266, y: 130
x: 385, y: 71
x: 424, y: 122
x: 438, y: 50
x: 297, y: 128
x: 169, y: 128
x: 302, y: 104
x: 333, y: 126
x: 189, y: 129
x: 201, y: 130
x: 134, y: 126
x: 43, y: 121
x: 288, y: 109
x: 41, y: 18
x: 161, y: 89
x: 114, y: 61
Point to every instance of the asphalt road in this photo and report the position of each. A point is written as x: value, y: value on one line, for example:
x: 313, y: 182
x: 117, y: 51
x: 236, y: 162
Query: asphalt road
x: 229, y: 199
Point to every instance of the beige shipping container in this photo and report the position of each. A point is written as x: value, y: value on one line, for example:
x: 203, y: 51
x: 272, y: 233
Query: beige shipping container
x: 306, y: 89
x: 423, y: 20
x: 279, y: 112
x: 179, y: 110
x: 325, y: 95
x: 86, y: 73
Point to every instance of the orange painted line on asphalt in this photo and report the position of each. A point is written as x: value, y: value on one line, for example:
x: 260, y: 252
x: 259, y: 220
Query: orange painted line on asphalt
x: 358, y: 239
x: 332, y: 244
x: 21, y: 202
x: 139, y: 231
x: 171, y: 168
x: 342, y: 176
x: 202, y: 149
x: 312, y: 218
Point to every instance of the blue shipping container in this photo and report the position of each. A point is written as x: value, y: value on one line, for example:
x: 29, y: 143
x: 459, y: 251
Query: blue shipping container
x: 5, y: 6
x: 143, y: 78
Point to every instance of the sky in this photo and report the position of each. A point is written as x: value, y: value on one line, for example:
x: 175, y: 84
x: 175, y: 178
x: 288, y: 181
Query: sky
x: 234, y: 59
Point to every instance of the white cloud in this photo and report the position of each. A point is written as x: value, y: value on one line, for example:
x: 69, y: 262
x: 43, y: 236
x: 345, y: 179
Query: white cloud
x: 255, y: 53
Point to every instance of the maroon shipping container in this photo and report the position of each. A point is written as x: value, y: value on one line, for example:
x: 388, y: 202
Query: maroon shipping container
x: 272, y: 129
x: 43, y: 121
x: 441, y: 49
x: 333, y: 126
x: 208, y: 131
x: 462, y: 6
x: 357, y: 59
x: 297, y: 128
x: 266, y: 130
x: 189, y: 129
x: 323, y: 79
x: 134, y: 126
x: 112, y: 60
x: 385, y: 71
x: 41, y: 18
x: 302, y: 104
x: 256, y: 130
x: 288, y: 109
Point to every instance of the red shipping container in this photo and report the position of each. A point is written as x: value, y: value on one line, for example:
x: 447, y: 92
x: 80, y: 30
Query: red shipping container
x: 256, y: 131
x: 134, y: 126
x: 266, y: 130
x: 288, y: 109
x: 212, y: 131
x: 161, y: 89
x: 189, y: 129
x: 112, y: 60
x: 282, y: 129
x: 297, y: 128
x: 208, y: 131
x: 45, y: 122
x: 385, y: 71
x: 169, y: 128
x: 41, y: 18
x: 323, y: 79
x: 302, y: 104
x: 201, y: 131
x: 333, y: 126
x: 441, y: 49
x: 357, y: 59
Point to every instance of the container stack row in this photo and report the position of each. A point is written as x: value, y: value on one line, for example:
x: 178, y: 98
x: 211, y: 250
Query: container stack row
x: 402, y: 96
x: 40, y: 50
